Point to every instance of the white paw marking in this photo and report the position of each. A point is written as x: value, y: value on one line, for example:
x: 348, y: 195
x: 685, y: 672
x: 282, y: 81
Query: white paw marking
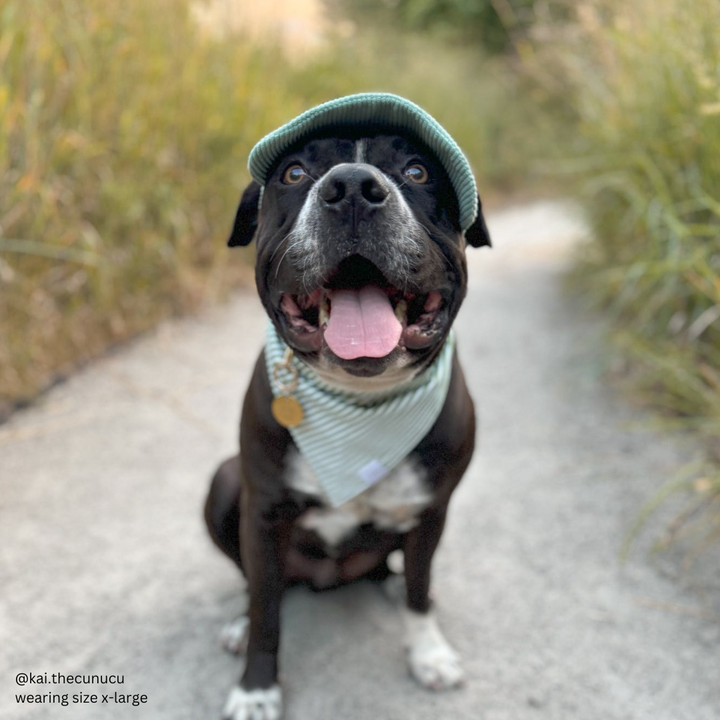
x: 396, y: 562
x: 254, y: 704
x: 431, y: 660
x: 234, y: 635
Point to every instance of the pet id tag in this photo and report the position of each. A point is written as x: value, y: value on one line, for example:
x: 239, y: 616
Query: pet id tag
x: 285, y: 408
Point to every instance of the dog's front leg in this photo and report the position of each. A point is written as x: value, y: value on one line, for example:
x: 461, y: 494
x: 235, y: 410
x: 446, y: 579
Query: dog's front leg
x: 431, y: 659
x: 265, y: 532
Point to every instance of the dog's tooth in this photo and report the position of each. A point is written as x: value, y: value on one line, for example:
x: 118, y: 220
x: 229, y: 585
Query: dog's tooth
x: 324, y: 311
x: 401, y: 311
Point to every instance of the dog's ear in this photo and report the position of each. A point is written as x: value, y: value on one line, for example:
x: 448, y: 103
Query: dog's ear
x: 246, y: 217
x: 477, y: 234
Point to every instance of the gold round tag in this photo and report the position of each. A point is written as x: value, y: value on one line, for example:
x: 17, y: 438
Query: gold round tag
x: 287, y: 411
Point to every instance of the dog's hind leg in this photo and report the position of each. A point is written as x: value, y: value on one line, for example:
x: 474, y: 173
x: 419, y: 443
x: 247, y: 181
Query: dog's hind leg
x: 222, y: 509
x: 222, y: 515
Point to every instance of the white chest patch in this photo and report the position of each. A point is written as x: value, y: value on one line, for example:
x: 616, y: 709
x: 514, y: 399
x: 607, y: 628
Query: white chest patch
x: 394, y: 503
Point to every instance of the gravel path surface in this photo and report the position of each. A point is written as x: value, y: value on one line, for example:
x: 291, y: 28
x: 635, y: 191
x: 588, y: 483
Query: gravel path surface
x: 105, y: 566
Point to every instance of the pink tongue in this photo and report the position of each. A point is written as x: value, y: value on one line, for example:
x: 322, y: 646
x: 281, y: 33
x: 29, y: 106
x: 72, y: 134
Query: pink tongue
x: 362, y: 324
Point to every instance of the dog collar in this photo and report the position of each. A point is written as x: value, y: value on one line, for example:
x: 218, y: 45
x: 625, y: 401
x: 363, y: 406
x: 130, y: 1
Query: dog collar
x: 352, y: 440
x: 377, y: 110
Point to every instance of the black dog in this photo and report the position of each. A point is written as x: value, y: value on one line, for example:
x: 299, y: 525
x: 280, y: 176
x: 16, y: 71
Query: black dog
x: 345, y: 212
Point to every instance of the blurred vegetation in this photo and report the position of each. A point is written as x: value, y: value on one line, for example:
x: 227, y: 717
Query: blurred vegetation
x: 124, y: 134
x: 491, y: 24
x: 644, y: 80
x: 643, y: 154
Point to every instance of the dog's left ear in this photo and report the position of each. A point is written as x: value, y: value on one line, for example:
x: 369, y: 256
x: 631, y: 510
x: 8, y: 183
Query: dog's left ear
x: 477, y: 234
x: 246, y: 216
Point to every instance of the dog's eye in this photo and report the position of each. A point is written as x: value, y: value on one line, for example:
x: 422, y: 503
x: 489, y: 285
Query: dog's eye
x: 294, y: 174
x: 417, y: 173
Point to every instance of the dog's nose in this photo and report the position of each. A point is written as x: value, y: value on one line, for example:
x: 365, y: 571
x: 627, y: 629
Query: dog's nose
x: 355, y: 183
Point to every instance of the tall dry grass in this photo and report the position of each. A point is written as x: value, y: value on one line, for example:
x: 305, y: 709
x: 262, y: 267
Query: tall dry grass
x: 122, y: 133
x: 641, y: 81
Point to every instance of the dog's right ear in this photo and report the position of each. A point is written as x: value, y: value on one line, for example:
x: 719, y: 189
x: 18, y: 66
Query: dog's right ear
x: 246, y: 217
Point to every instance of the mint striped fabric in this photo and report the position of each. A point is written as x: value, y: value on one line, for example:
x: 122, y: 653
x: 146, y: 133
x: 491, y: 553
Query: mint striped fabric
x: 351, y: 441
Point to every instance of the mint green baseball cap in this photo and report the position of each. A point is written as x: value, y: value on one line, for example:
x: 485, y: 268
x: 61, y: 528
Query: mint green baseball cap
x: 377, y: 110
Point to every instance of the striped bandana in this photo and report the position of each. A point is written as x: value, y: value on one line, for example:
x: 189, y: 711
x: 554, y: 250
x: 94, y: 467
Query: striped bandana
x: 352, y: 440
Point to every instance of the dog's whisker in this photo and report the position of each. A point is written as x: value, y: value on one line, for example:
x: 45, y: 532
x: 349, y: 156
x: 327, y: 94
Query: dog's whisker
x: 424, y: 227
x: 277, y: 269
x: 277, y: 249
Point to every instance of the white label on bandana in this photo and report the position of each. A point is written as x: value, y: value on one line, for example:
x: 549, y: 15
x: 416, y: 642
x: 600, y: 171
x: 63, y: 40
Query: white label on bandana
x: 372, y: 472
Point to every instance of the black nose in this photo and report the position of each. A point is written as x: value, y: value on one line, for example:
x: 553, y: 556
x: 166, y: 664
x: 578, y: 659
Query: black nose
x: 355, y: 183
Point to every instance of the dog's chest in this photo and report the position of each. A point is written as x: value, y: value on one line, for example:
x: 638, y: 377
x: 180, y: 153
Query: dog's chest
x: 394, y: 503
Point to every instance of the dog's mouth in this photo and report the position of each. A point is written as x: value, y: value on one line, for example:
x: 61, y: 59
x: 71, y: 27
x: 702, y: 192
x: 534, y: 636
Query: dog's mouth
x: 358, y: 313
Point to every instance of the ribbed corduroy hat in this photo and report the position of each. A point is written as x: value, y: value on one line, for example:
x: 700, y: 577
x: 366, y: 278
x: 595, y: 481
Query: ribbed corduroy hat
x: 378, y: 110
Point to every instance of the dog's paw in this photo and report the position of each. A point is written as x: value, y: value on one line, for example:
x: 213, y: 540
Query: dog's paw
x: 431, y: 660
x: 253, y: 704
x: 437, y: 668
x: 234, y: 635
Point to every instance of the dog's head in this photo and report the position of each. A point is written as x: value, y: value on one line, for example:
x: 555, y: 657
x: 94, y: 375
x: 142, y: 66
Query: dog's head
x: 360, y: 251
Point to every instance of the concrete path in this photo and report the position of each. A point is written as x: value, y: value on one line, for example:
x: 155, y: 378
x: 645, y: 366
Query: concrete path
x: 105, y: 566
